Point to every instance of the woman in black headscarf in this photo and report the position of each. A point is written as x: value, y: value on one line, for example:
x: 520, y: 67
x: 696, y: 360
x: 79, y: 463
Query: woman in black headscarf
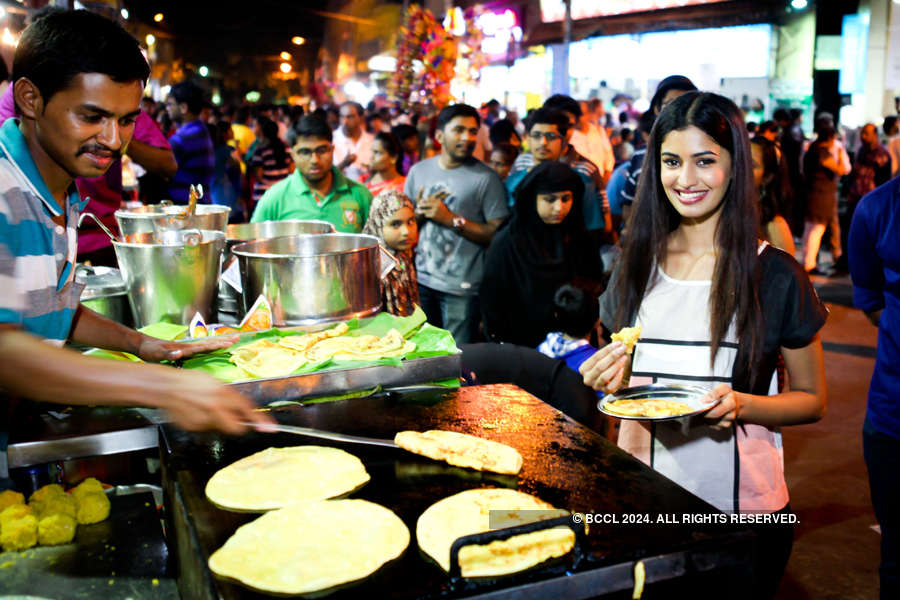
x: 541, y: 247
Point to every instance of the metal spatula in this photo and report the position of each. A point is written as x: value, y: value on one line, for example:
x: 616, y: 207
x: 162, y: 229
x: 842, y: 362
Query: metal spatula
x: 330, y: 435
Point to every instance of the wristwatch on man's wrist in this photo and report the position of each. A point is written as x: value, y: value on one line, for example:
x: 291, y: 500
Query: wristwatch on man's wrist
x: 459, y: 223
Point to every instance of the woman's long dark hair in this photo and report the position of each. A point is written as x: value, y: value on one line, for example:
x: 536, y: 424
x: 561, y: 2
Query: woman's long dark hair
x: 733, y: 296
x: 392, y: 146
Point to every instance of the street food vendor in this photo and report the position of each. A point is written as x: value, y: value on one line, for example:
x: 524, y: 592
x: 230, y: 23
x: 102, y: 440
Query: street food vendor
x: 78, y: 80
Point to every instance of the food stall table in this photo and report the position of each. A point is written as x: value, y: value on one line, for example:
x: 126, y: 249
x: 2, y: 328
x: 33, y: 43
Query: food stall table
x: 565, y: 464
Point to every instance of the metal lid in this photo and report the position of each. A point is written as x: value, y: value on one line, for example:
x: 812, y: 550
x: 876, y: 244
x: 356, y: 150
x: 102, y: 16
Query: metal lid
x: 99, y: 282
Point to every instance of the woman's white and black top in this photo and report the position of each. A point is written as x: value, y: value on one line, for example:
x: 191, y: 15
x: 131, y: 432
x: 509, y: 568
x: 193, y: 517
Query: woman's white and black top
x: 741, y: 468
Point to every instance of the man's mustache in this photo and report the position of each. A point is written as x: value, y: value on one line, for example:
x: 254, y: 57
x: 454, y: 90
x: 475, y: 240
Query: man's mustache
x: 99, y: 151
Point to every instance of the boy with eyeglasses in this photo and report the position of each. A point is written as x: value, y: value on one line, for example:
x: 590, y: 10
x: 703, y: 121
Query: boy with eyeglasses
x: 316, y: 189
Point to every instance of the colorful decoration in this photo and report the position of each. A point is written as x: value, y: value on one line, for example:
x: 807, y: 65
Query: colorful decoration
x: 422, y: 39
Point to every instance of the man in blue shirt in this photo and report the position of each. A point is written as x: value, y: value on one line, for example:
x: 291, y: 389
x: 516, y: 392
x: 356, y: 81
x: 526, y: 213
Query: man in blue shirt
x: 191, y: 144
x: 78, y: 80
x: 874, y: 251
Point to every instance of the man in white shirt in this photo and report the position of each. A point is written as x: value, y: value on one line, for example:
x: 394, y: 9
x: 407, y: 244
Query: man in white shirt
x: 352, y: 144
x: 592, y: 142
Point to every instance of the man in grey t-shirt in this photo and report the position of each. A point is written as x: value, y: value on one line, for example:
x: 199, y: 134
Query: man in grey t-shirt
x: 460, y: 203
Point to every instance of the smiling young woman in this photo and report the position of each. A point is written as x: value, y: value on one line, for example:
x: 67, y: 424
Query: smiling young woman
x: 717, y: 306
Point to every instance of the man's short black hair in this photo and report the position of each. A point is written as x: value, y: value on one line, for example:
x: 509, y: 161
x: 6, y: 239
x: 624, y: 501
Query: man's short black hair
x: 404, y: 131
x: 507, y: 151
x: 781, y: 114
x: 564, y: 103
x: 575, y: 307
x: 356, y: 106
x: 448, y: 113
x: 890, y: 122
x: 768, y: 126
x: 549, y: 116
x: 188, y: 93
x: 63, y: 44
x: 310, y: 126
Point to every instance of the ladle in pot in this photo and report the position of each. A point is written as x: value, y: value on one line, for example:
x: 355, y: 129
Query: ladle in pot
x: 98, y: 222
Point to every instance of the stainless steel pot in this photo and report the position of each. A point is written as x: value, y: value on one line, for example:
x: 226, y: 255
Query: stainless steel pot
x: 171, y: 275
x: 311, y: 279
x: 105, y: 292
x: 238, y: 233
x: 157, y: 218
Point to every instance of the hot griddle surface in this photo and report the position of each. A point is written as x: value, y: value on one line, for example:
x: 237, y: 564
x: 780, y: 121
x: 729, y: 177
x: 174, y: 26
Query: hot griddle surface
x: 565, y: 464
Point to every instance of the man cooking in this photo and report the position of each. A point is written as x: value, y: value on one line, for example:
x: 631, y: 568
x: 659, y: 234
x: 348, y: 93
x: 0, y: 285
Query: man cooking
x: 316, y: 189
x: 78, y: 80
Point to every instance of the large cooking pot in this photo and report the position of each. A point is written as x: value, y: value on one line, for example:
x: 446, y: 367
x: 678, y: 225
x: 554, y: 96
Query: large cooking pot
x: 157, y: 218
x: 311, y: 279
x: 105, y: 292
x: 171, y: 275
x: 238, y: 233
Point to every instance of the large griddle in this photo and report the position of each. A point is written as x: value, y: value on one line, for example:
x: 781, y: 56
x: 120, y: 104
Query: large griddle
x: 565, y: 464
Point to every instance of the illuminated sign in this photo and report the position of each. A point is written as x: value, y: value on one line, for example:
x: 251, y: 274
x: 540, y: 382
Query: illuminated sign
x: 499, y: 30
x: 555, y: 10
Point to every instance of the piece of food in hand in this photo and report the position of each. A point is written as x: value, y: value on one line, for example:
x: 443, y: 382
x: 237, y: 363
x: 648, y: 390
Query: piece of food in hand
x: 653, y: 407
x: 56, y: 529
x: 462, y: 450
x: 63, y: 504
x: 469, y: 512
x: 279, y: 477
x: 9, y: 498
x: 18, y: 533
x: 259, y: 317
x: 92, y: 507
x: 312, y: 546
x: 90, y: 484
x: 628, y: 336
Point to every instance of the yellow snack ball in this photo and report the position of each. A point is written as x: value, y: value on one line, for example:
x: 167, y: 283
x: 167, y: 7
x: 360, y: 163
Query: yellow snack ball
x: 19, y: 534
x: 56, y: 529
x: 48, y: 491
x: 93, y: 507
x: 56, y: 505
x: 9, y: 498
x: 16, y: 511
x: 88, y: 485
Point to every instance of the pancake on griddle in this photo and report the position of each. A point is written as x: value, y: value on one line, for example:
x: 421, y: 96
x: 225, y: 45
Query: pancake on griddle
x: 279, y: 477
x: 312, y: 546
x: 462, y: 450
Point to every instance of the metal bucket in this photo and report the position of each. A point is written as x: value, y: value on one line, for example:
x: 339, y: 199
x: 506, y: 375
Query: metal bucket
x: 311, y: 279
x: 158, y: 218
x: 104, y: 292
x: 238, y: 233
x: 171, y: 275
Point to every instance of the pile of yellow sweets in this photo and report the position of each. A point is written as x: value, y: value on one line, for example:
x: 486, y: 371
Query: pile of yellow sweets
x: 51, y: 515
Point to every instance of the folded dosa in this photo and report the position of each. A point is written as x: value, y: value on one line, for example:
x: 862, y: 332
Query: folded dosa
x: 468, y: 512
x: 279, y: 477
x: 313, y: 546
x: 462, y: 450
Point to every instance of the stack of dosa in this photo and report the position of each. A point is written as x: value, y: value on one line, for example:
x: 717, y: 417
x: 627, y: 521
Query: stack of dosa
x: 313, y: 546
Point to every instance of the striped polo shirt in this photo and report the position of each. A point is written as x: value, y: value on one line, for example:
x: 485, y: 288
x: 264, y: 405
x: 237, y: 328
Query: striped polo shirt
x: 37, y: 257
x: 196, y: 158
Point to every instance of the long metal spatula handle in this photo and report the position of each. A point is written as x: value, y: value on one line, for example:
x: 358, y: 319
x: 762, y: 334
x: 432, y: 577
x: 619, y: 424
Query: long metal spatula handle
x: 330, y: 435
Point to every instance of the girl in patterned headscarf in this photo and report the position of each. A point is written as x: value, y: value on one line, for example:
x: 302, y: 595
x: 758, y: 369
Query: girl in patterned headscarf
x: 392, y: 219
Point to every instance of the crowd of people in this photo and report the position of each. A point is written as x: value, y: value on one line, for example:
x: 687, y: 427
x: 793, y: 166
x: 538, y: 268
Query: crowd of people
x: 548, y: 233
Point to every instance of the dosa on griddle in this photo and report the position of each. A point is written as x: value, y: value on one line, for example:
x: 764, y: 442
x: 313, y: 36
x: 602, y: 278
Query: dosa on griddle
x: 468, y: 512
x: 266, y: 359
x: 313, y: 546
x: 279, y: 477
x: 462, y: 450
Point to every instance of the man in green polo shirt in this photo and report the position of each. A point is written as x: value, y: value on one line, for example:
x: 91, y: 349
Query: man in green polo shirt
x: 316, y: 189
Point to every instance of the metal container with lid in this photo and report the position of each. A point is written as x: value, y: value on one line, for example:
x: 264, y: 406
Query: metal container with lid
x: 105, y: 292
x: 157, y: 218
x: 310, y: 279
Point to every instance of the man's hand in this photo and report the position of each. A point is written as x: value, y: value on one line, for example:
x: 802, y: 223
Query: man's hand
x: 433, y: 208
x: 196, y: 402
x: 155, y: 350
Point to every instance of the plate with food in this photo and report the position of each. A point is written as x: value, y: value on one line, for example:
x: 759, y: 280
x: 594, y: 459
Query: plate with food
x: 656, y: 402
